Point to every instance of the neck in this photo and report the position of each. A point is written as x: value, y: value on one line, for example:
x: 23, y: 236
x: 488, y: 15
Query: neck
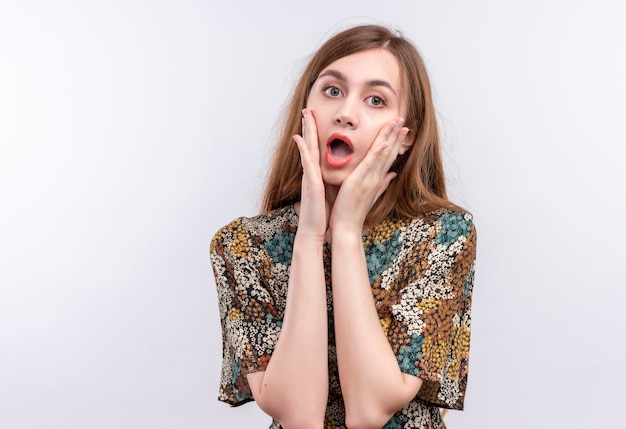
x: 331, y: 195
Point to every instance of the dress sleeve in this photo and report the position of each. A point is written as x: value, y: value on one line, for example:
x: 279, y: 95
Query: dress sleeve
x: 430, y: 326
x: 250, y: 326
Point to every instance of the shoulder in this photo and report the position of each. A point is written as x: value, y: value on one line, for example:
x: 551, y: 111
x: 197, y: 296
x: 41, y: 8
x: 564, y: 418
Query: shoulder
x: 239, y: 234
x: 448, y: 238
x: 447, y: 225
x: 442, y: 230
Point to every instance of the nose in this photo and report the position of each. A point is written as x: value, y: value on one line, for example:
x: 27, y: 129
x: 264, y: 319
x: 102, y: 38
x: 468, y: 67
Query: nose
x: 345, y: 116
x: 343, y: 119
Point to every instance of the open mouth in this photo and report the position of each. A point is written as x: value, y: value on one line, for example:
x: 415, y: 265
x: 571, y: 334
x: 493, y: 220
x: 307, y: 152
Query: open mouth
x: 340, y: 146
x: 339, y: 150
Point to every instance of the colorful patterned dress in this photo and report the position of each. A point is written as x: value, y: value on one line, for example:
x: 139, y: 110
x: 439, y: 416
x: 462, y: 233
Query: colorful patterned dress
x: 421, y: 273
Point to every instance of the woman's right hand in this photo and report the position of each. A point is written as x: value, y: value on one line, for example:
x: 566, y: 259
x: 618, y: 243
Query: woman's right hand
x: 313, y: 211
x: 301, y: 351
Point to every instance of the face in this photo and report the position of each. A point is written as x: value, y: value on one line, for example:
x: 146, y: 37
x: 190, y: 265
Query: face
x: 351, y: 100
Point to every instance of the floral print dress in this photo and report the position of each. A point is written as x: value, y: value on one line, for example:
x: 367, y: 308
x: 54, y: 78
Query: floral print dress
x: 421, y: 273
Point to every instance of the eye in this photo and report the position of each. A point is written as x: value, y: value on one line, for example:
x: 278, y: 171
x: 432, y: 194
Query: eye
x: 376, y: 101
x: 332, y: 91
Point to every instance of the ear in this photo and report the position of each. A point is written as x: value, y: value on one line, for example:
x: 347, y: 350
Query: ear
x: 407, y: 143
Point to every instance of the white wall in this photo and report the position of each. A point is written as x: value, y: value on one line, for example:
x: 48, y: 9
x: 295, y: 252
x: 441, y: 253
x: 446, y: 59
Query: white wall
x: 130, y: 131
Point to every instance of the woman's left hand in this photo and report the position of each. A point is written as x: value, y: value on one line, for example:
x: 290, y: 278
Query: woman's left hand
x: 368, y: 181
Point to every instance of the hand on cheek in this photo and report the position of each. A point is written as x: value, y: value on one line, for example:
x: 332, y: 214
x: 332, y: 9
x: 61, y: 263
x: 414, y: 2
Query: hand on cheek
x: 370, y: 178
x: 313, y: 209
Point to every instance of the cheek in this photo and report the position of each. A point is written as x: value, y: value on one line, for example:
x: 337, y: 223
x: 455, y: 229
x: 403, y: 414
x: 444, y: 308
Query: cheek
x: 376, y: 126
x: 314, y: 100
x: 371, y: 131
x: 369, y: 135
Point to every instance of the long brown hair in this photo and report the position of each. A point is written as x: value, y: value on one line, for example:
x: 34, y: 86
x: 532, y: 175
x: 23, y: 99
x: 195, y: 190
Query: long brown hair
x: 420, y: 185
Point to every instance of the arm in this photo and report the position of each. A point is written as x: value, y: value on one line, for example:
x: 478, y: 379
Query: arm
x: 294, y: 387
x: 433, y: 310
x: 372, y: 384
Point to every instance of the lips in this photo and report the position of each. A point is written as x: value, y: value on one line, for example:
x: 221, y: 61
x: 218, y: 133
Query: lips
x: 339, y: 150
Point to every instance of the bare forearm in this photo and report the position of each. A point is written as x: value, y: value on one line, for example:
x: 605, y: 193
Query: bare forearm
x: 372, y: 384
x: 294, y: 386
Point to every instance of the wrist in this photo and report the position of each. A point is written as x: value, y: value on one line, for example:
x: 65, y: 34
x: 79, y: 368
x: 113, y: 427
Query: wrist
x: 308, y: 239
x: 347, y: 232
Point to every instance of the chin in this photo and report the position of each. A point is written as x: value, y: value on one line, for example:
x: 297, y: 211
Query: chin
x: 334, y: 177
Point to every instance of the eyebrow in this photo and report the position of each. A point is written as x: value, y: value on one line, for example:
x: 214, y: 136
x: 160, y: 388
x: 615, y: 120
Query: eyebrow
x: 376, y: 82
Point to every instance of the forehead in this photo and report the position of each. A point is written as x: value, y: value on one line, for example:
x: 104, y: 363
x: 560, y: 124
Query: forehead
x: 372, y: 64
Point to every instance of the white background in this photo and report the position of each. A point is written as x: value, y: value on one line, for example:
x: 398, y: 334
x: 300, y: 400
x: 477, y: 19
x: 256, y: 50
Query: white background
x: 130, y: 131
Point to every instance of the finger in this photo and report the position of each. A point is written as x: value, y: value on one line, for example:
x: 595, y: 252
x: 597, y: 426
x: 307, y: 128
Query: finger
x: 403, y: 134
x: 393, y: 150
x: 389, y: 133
x: 396, y: 136
x: 385, y: 184
x: 310, y: 129
x: 395, y: 141
x: 307, y: 143
x: 305, y: 155
x: 386, y: 146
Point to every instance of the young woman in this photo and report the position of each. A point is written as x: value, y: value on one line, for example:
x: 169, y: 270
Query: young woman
x: 347, y: 302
